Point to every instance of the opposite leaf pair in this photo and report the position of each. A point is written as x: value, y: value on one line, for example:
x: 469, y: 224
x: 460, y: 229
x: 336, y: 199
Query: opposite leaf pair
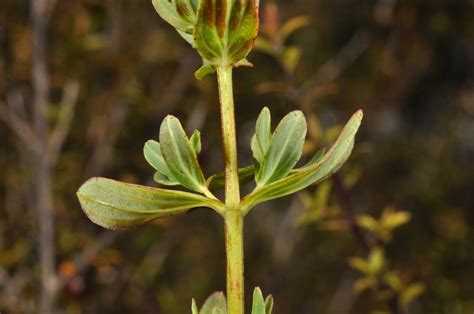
x: 117, y: 205
x: 216, y: 304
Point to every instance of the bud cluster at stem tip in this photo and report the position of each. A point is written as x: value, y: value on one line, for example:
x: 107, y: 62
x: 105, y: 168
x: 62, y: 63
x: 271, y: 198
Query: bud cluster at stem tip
x: 222, y: 31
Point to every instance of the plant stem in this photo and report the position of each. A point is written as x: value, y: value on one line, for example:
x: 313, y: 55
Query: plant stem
x: 226, y: 96
x: 233, y: 216
x: 234, y: 245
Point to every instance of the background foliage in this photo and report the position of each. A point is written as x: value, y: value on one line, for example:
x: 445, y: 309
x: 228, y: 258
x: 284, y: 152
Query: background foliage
x: 402, y: 205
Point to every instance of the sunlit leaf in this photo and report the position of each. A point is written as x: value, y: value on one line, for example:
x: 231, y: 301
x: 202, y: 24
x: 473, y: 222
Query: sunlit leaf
x: 375, y: 261
x: 285, y: 150
x: 117, y: 205
x: 411, y: 293
x: 180, y: 156
x: 304, y: 177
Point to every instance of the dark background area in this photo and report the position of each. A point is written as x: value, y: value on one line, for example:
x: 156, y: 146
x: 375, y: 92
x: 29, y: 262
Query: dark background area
x: 116, y: 70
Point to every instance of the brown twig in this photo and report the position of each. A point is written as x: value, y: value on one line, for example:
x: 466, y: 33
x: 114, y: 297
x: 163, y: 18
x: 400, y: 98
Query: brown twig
x: 63, y: 124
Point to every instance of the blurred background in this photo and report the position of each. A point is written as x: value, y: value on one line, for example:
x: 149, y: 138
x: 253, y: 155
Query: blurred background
x: 84, y: 83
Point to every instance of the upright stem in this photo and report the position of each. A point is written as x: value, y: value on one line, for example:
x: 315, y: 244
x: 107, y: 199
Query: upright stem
x: 233, y: 216
x: 226, y: 96
x: 234, y: 245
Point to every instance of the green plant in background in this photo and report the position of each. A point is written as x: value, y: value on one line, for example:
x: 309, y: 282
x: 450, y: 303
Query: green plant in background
x: 223, y: 32
x: 377, y: 274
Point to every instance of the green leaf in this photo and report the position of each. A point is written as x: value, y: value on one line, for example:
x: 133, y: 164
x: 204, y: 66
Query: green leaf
x: 194, y: 308
x: 117, y: 205
x: 304, y: 177
x: 203, y: 71
x: 183, y: 20
x: 196, y: 141
x: 164, y: 180
x: 180, y: 156
x: 411, y: 293
x: 258, y: 304
x: 269, y: 304
x: 217, y: 181
x: 154, y: 156
x: 215, y: 304
x: 263, y: 133
x: 285, y: 150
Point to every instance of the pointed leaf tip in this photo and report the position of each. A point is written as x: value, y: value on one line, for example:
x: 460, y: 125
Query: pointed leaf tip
x: 258, y: 303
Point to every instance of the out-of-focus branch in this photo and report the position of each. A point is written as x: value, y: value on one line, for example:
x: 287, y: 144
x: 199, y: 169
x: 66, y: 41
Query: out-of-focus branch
x: 19, y: 127
x: 106, y: 139
x: 63, y: 124
x: 176, y: 89
x: 40, y: 12
x: 335, y: 66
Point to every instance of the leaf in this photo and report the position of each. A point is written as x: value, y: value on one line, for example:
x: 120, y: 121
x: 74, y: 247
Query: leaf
x: 168, y: 12
x: 117, y: 205
x: 203, y: 71
x: 216, y: 302
x: 375, y: 261
x: 304, y: 177
x: 217, y: 181
x: 164, y: 180
x: 258, y: 304
x: 316, y: 158
x: 180, y: 156
x: 412, y: 292
x: 269, y: 304
x: 294, y: 24
x: 263, y: 134
x: 285, y: 150
x: 367, y: 222
x: 194, y: 308
x: 291, y: 58
x: 154, y: 156
x: 196, y: 141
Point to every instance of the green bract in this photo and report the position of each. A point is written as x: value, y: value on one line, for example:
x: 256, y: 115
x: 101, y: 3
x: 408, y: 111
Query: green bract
x: 226, y: 30
x: 222, y: 31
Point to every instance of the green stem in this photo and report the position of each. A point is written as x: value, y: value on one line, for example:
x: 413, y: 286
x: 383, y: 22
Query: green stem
x: 234, y: 245
x: 233, y: 216
x: 226, y: 96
